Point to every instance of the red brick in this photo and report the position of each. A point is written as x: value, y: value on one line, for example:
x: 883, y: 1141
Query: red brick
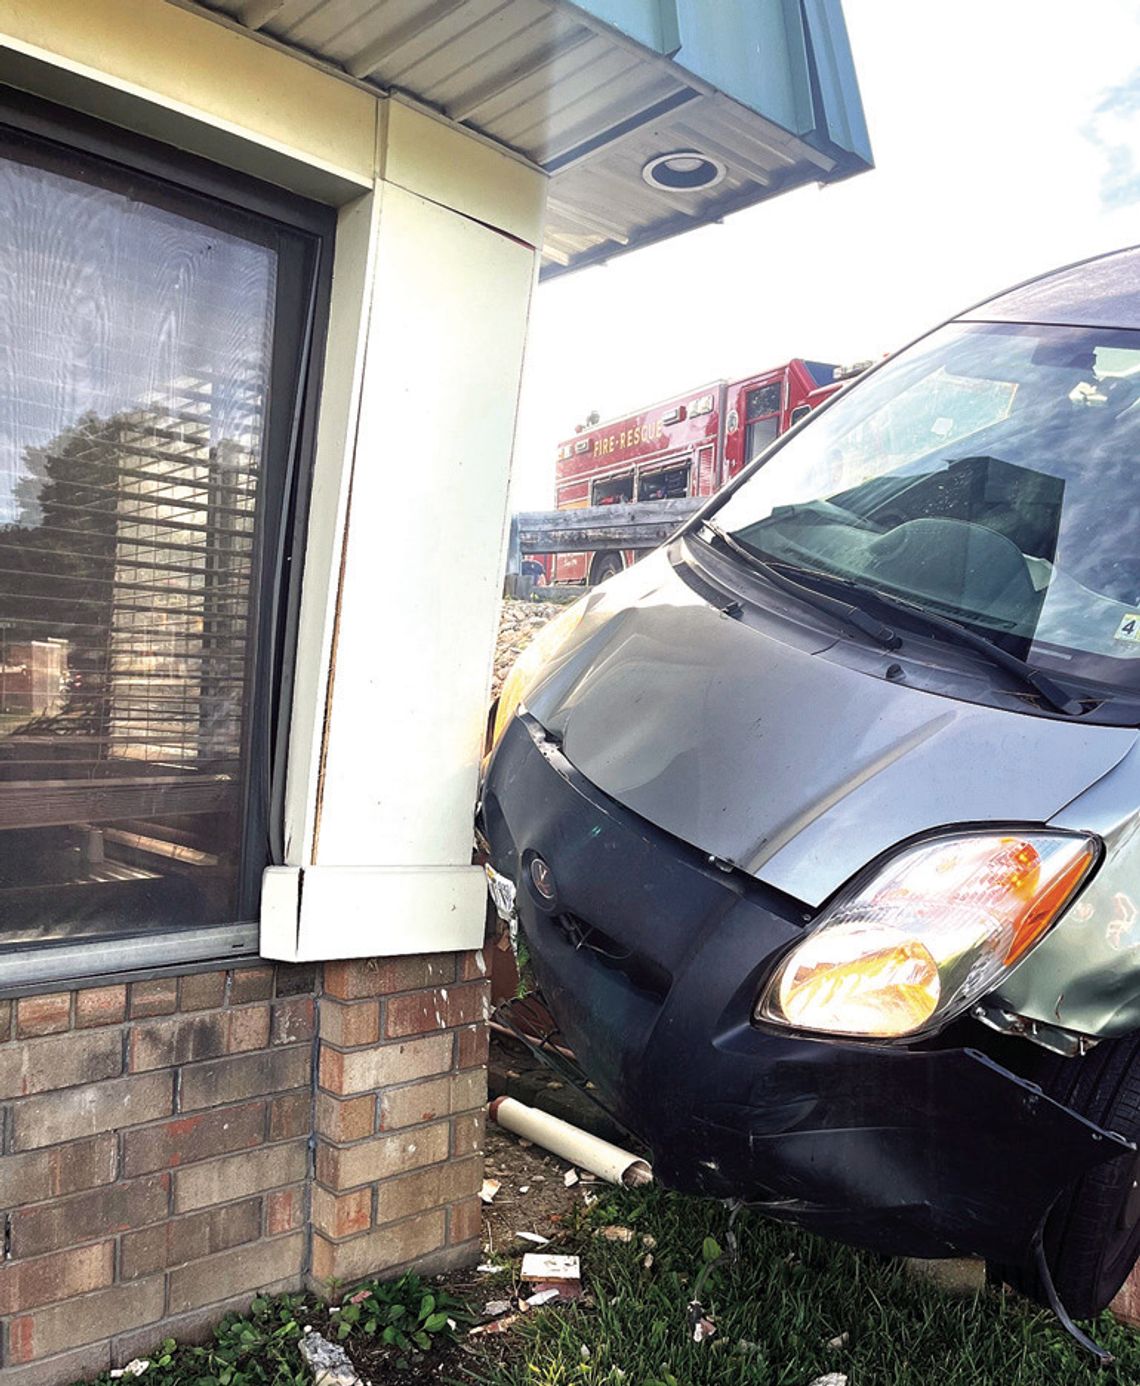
x: 84, y: 1364
x: 100, y: 1006
x: 246, y: 1075
x: 342, y: 1215
x: 284, y: 1211
x: 159, y: 997
x: 381, y: 1250
x: 186, y: 1139
x: 231, y: 1273
x: 293, y: 1020
x: 295, y: 979
x: 249, y: 1029
x: 362, y: 1070
x: 450, y: 1182
x: 202, y: 991
x: 465, y: 1221
x: 180, y: 1040
x: 424, y: 1101
x: 85, y: 1320
x: 234, y: 1176
x: 290, y: 1115
x: 438, y: 1009
x: 179, y: 1240
x: 251, y: 984
x: 350, y: 1024
x: 87, y: 1216
x: 473, y: 966
x: 77, y: 1112
x: 467, y: 1134
x: 473, y: 1046
x: 27, y: 1284
x: 345, y: 1167
x: 350, y: 1120
x: 357, y: 978
x: 64, y: 1169
x: 46, y: 1065
x: 43, y: 1015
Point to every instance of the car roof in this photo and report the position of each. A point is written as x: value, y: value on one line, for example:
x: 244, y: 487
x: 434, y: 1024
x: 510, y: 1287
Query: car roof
x: 1101, y: 292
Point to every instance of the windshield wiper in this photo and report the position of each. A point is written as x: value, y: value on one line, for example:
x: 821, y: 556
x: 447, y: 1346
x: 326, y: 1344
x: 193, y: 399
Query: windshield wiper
x: 842, y: 611
x: 1048, y: 688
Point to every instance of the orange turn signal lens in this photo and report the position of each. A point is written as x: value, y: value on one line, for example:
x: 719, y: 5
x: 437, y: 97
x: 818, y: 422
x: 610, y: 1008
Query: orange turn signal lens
x: 932, y: 931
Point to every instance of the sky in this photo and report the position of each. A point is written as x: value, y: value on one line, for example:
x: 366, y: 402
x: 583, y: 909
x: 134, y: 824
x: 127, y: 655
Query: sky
x: 1006, y: 136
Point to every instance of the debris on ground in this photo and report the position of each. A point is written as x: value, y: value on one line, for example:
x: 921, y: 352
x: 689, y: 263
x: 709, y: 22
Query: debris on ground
x: 541, y: 1297
x: 830, y: 1379
x: 490, y: 1188
x: 838, y: 1342
x: 702, y: 1326
x: 495, y: 1326
x: 534, y: 1237
x: 536, y: 1266
x: 570, y: 1178
x: 328, y: 1362
x: 615, y: 1234
x: 496, y: 1308
x: 489, y: 1268
x: 136, y: 1367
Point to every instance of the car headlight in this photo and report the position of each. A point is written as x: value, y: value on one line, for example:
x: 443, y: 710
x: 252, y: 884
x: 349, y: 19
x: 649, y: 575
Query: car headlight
x: 528, y: 666
x: 932, y: 930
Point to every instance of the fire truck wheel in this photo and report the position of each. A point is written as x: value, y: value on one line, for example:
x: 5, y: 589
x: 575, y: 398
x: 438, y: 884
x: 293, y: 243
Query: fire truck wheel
x: 605, y: 565
x: 1093, y: 1234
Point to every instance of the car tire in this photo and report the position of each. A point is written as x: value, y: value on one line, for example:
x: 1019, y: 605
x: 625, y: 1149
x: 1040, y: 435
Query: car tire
x: 1092, y: 1236
x: 606, y: 565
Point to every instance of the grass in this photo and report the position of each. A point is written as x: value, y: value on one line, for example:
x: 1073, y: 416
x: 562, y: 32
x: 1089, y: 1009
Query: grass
x: 776, y: 1309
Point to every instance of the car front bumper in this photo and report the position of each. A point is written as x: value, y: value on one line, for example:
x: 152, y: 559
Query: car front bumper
x: 651, y: 959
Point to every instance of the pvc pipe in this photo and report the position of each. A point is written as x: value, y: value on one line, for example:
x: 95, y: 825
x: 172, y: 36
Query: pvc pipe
x: 588, y: 1152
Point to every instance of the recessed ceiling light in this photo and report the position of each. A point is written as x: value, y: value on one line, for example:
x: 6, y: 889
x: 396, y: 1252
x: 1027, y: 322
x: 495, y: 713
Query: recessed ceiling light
x: 684, y: 170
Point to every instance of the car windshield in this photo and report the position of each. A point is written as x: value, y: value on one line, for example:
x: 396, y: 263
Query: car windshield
x: 990, y: 474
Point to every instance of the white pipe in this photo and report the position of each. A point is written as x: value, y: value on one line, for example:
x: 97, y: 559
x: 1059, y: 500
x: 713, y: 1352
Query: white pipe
x: 588, y: 1152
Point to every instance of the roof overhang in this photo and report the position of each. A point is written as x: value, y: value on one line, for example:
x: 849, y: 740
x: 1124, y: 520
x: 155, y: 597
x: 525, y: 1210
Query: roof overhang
x: 592, y: 93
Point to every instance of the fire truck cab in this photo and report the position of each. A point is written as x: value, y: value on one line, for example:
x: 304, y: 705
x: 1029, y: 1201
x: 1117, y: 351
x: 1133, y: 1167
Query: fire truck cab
x: 689, y: 445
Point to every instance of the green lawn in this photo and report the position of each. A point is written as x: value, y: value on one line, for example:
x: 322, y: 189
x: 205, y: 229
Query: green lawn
x: 776, y: 1309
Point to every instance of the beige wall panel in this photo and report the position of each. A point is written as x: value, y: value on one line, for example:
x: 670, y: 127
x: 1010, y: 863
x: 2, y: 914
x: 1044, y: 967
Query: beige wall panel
x: 422, y: 575
x: 426, y: 156
x: 184, y: 79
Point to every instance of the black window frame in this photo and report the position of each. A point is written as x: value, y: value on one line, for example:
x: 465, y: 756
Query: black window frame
x: 300, y: 335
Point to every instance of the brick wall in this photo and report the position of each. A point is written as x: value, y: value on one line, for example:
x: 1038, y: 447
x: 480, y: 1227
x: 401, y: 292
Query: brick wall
x: 170, y: 1147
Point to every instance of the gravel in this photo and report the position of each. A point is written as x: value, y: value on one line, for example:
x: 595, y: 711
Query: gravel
x: 519, y: 623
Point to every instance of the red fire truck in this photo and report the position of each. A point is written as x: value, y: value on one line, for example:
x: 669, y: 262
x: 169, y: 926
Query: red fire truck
x: 686, y: 446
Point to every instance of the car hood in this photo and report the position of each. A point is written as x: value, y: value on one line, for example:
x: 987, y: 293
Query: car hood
x: 796, y: 769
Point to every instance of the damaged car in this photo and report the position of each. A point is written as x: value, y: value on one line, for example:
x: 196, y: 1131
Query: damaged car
x: 822, y: 822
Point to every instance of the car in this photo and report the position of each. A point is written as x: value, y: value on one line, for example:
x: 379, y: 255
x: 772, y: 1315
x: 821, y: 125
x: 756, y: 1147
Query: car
x: 822, y: 822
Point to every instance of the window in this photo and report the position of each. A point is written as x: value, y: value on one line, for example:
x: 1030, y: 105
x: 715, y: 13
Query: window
x: 152, y: 360
x: 667, y: 483
x: 762, y: 418
x: 613, y: 490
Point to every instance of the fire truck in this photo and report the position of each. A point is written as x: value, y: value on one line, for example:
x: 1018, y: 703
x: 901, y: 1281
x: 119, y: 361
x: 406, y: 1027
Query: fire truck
x: 686, y: 446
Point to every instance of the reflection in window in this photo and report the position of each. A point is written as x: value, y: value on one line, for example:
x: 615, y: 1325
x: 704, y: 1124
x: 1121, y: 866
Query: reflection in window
x: 135, y: 339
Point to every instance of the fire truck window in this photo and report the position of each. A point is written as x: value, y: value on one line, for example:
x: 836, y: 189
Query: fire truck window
x: 667, y: 484
x: 799, y: 412
x: 759, y: 433
x: 766, y: 399
x: 613, y: 490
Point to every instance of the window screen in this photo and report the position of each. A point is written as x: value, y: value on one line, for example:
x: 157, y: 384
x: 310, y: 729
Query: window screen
x: 141, y: 329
